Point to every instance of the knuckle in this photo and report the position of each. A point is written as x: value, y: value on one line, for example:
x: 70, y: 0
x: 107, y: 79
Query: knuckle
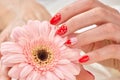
x: 88, y: 3
x: 114, y: 49
x: 97, y: 54
x: 112, y: 32
x: 91, y: 2
x: 101, y: 12
x: 111, y: 28
x: 115, y: 10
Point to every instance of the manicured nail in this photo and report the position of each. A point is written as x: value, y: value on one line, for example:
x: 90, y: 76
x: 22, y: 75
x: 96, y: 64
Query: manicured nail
x: 71, y: 41
x: 55, y: 19
x: 91, y: 74
x: 62, y: 30
x: 84, y: 59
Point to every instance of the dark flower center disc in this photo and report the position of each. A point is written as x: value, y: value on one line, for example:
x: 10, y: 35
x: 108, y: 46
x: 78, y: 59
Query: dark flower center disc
x: 42, y: 55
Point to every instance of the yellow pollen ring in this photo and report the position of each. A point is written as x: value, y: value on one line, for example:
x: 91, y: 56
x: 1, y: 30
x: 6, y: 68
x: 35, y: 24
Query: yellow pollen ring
x: 42, y: 55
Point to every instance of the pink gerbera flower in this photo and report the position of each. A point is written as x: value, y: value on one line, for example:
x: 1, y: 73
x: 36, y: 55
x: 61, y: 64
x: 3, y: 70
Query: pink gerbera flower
x: 35, y: 52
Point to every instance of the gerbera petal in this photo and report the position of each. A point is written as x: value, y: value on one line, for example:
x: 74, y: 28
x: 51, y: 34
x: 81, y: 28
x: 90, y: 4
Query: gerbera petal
x: 51, y: 76
x: 59, y: 73
x: 13, y: 59
x: 64, y: 61
x: 10, y: 48
x: 70, y: 67
x: 52, y: 34
x: 14, y: 72
x: 26, y: 71
x: 32, y: 28
x: 72, y: 55
x: 33, y: 76
x: 67, y: 73
x: 19, y: 33
x: 46, y: 28
x: 42, y: 78
x: 60, y: 40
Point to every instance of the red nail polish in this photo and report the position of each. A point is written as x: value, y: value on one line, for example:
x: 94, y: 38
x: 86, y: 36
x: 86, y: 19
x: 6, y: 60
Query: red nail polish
x: 91, y: 74
x: 71, y: 41
x: 62, y: 30
x: 68, y: 42
x: 84, y: 59
x: 55, y: 19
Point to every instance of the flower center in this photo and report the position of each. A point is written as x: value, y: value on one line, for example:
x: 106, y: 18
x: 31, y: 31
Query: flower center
x: 42, y: 55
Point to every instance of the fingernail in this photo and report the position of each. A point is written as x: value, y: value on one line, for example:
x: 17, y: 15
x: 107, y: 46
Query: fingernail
x: 84, y: 59
x: 62, y: 30
x: 91, y: 74
x: 55, y: 19
x: 71, y: 41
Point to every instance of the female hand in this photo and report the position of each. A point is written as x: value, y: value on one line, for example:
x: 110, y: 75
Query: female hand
x: 4, y: 73
x: 30, y: 11
x: 83, y: 13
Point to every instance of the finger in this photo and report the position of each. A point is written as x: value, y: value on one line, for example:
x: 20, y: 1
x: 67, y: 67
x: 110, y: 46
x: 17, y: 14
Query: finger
x: 75, y: 8
x: 107, y: 31
x: 107, y: 52
x: 85, y: 75
x: 4, y: 73
x: 4, y: 35
x: 93, y: 16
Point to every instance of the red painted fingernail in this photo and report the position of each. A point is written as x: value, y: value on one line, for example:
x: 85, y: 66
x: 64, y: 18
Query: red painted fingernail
x: 62, y: 30
x: 91, y: 74
x: 55, y: 19
x: 84, y: 59
x: 71, y: 41
x: 68, y: 42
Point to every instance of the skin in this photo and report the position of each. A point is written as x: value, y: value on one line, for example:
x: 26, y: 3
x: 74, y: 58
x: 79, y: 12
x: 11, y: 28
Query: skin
x: 29, y: 13
x: 101, y: 42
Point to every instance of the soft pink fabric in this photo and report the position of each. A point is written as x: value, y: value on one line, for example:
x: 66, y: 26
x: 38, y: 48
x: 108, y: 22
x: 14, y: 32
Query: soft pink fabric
x: 17, y: 54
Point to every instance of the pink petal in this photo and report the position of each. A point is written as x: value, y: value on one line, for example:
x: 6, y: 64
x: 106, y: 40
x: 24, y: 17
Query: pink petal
x: 26, y: 71
x: 51, y: 76
x: 67, y: 73
x: 11, y: 60
x: 71, y: 54
x: 59, y: 73
x: 42, y: 78
x: 18, y: 33
x: 44, y: 28
x: 60, y: 40
x: 14, y: 72
x: 72, y: 69
x: 33, y: 76
x: 32, y: 28
x: 64, y: 61
x: 52, y: 34
x: 10, y: 48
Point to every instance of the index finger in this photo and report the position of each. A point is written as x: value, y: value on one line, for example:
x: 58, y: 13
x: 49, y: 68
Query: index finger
x: 75, y: 8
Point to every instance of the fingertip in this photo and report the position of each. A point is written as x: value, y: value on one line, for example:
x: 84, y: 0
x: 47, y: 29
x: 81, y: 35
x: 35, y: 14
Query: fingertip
x: 84, y: 59
x: 55, y: 19
x: 71, y: 41
x: 62, y: 30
